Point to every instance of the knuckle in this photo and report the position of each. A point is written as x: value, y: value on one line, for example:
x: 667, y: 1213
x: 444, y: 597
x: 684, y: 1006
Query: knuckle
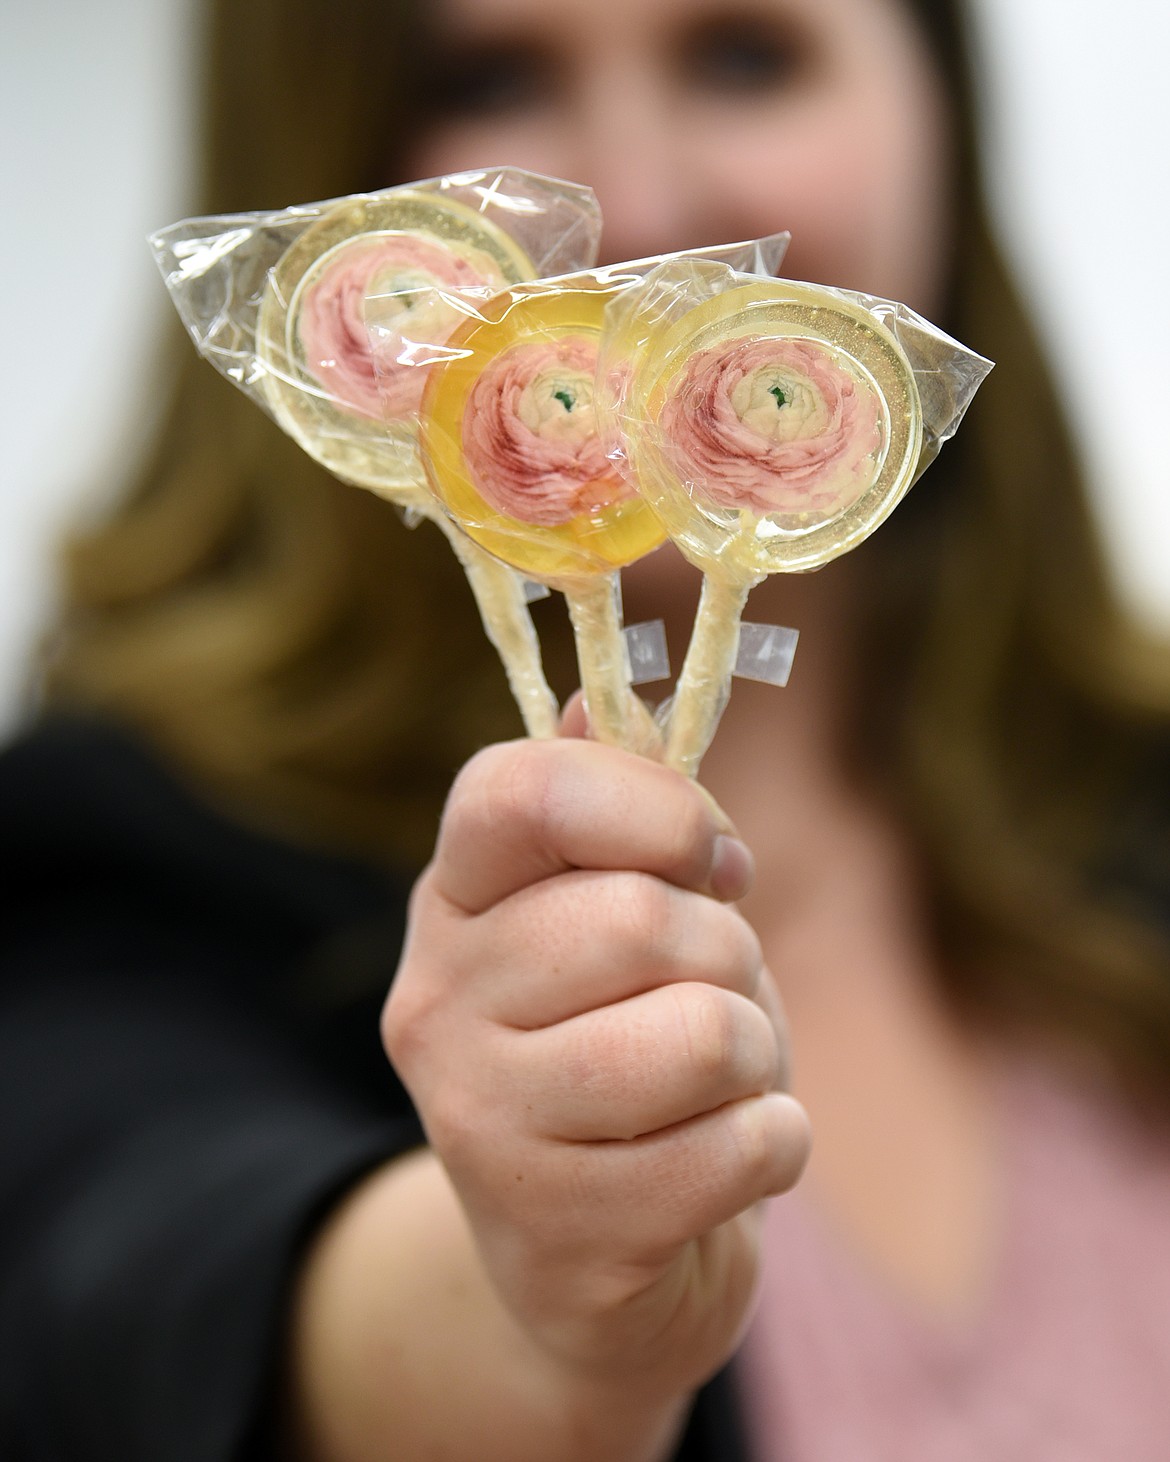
x: 499, y: 785
x: 416, y: 992
x: 692, y: 838
x: 414, y: 1016
x: 522, y: 788
x: 772, y: 1143
x: 750, y: 953
x: 709, y: 1028
x: 473, y: 775
x: 641, y: 914
x: 756, y: 1144
x: 741, y: 956
x: 404, y: 1024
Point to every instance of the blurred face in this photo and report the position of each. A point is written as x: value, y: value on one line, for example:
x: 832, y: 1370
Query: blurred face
x: 700, y: 121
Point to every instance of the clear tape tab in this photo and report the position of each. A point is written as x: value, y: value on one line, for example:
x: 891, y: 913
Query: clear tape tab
x: 646, y: 651
x: 765, y: 653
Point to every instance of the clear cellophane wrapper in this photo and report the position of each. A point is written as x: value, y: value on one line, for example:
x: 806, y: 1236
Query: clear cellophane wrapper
x: 277, y: 301
x: 282, y: 303
x: 515, y: 452
x: 772, y: 426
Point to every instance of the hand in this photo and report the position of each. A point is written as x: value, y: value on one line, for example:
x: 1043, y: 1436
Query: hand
x: 597, y: 1054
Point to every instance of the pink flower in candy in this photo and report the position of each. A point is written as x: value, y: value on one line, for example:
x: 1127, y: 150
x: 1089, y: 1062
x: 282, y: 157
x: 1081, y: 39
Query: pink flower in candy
x: 402, y: 274
x: 774, y: 425
x: 530, y: 434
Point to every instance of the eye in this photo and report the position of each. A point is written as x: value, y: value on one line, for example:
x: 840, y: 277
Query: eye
x: 490, y: 81
x: 742, y: 54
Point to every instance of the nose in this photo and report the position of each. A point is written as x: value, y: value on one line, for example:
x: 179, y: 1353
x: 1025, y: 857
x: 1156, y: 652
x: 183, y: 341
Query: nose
x: 628, y: 147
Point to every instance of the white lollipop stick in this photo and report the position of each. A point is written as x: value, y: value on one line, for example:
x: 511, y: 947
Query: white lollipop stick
x: 704, y: 684
x: 503, y: 607
x: 617, y: 714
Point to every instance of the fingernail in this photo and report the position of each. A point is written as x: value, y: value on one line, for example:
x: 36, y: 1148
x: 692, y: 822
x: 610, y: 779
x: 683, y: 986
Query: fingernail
x: 732, y: 868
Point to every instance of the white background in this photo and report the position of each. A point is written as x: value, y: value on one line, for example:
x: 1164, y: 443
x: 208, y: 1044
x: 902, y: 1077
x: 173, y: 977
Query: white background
x: 94, y: 109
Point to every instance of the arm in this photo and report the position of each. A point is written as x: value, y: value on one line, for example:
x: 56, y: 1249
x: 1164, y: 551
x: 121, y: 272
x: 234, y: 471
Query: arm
x: 164, y: 1164
x: 595, y: 1049
x: 174, y: 1120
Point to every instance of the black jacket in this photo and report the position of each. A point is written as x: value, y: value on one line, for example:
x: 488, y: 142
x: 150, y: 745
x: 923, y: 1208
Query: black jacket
x: 190, y: 1074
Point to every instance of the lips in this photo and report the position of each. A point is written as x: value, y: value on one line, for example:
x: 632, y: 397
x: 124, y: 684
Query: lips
x: 773, y: 425
x: 530, y: 435
x: 404, y: 273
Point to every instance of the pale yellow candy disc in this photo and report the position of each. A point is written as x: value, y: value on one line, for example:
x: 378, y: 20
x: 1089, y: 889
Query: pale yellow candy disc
x: 773, y: 427
x: 371, y: 261
x: 510, y: 440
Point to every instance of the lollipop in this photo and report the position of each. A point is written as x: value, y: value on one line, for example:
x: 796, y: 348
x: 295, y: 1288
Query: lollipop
x: 281, y: 303
x: 512, y: 447
x: 400, y: 251
x: 773, y: 427
x: 396, y: 260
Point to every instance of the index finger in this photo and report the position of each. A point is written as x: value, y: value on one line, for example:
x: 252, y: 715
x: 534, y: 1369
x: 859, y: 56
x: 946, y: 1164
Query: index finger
x: 528, y: 810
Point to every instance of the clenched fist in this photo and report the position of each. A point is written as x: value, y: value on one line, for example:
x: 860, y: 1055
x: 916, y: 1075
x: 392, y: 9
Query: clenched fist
x: 598, y: 1055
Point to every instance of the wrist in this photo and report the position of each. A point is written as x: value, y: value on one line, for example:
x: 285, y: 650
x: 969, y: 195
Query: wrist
x: 401, y: 1346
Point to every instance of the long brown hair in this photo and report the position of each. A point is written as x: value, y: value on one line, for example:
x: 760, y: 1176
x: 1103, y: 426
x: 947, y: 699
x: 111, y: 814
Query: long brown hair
x: 317, y: 667
x: 1016, y: 716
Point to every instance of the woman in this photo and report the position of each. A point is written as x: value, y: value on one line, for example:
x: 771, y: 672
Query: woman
x: 954, y: 857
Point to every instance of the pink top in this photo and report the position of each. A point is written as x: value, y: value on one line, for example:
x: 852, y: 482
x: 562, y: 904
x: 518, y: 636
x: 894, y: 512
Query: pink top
x: 1069, y: 1359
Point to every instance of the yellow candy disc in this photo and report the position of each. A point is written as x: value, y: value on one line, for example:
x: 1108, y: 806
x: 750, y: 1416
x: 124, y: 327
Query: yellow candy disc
x: 380, y: 262
x: 510, y: 439
x: 773, y: 427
